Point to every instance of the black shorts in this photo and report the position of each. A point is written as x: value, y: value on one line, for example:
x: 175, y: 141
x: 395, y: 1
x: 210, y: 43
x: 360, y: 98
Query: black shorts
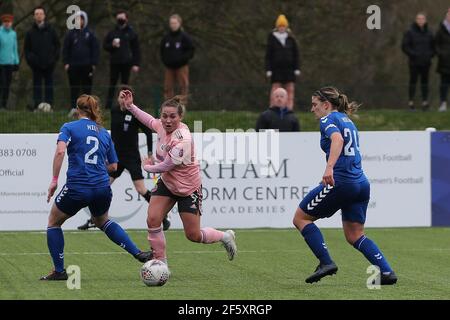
x: 132, y: 164
x: 191, y: 203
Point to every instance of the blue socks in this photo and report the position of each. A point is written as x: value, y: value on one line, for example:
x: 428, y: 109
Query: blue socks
x: 55, y: 242
x: 119, y: 237
x: 370, y: 250
x: 315, y: 241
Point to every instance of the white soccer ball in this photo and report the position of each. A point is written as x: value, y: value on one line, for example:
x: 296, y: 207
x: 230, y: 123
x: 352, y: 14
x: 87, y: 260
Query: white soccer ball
x: 44, y: 107
x: 155, y: 273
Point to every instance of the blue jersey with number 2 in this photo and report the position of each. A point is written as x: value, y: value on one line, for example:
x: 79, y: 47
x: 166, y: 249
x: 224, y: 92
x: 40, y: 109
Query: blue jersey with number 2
x: 348, y: 167
x: 90, y: 149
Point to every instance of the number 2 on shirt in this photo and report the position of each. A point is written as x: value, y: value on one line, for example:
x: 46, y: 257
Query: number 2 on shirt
x: 87, y: 156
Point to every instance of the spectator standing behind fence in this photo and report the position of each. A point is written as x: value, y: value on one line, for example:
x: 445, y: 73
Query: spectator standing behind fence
x: 42, y: 52
x: 278, y: 116
x: 418, y: 45
x: 80, y: 57
x: 443, y: 52
x: 176, y: 51
x: 123, y: 45
x: 283, y: 59
x: 9, y: 58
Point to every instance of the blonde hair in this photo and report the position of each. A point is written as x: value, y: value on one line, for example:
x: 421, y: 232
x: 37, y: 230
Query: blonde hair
x: 90, y: 105
x: 176, y: 16
x: 338, y: 100
x: 178, y: 102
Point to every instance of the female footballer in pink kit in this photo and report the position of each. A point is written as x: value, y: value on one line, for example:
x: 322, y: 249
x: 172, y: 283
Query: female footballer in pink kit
x: 180, y: 180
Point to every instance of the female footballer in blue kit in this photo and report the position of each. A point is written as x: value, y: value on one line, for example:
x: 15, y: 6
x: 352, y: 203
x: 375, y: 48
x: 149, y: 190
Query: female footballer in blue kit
x: 344, y: 186
x: 91, y: 155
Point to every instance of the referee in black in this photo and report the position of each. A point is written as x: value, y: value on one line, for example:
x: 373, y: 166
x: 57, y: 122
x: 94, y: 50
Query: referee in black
x: 124, y: 133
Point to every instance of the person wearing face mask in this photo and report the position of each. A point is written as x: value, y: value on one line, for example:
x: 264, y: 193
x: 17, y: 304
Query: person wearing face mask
x: 418, y: 45
x: 41, y: 49
x: 123, y: 45
x: 283, y: 59
x: 176, y: 50
x: 443, y: 51
x: 9, y: 58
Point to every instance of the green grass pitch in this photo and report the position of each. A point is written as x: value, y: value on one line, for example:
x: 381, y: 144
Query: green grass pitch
x: 271, y: 264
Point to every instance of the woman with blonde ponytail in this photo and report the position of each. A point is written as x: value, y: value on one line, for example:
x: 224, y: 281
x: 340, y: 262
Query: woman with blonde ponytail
x: 344, y: 187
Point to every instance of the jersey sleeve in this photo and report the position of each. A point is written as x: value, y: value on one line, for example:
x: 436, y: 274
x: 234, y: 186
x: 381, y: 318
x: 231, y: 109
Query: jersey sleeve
x: 64, y: 133
x: 328, y: 126
x: 111, y: 154
x: 181, y: 148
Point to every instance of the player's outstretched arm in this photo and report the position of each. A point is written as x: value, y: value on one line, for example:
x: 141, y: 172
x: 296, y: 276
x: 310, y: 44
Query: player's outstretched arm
x: 57, y: 164
x: 164, y: 166
x: 126, y: 97
x: 337, y: 142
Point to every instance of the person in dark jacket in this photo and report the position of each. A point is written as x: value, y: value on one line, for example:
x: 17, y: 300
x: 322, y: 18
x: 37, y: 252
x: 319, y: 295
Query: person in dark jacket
x: 283, y: 59
x: 42, y: 52
x: 80, y: 57
x: 278, y: 116
x: 418, y: 45
x: 443, y: 52
x: 176, y: 50
x: 123, y: 45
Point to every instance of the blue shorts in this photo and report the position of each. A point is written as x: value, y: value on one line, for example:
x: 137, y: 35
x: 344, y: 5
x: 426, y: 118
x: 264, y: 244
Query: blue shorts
x: 70, y: 201
x: 351, y: 198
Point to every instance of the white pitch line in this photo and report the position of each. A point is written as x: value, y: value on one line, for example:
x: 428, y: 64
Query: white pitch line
x: 182, y: 252
x: 120, y: 252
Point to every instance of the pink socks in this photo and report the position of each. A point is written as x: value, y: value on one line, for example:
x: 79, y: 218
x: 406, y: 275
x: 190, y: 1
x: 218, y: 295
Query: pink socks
x: 210, y: 235
x: 157, y: 242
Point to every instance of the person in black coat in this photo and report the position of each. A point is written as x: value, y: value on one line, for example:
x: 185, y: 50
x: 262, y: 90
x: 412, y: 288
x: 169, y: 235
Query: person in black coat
x: 41, y: 49
x: 278, y: 116
x: 418, y: 45
x: 176, y: 50
x: 80, y: 57
x: 283, y: 59
x: 443, y: 52
x: 123, y: 45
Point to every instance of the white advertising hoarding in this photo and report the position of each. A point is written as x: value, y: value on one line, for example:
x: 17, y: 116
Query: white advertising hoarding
x: 257, y: 189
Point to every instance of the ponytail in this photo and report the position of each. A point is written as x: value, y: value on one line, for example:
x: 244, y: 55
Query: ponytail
x: 90, y: 106
x: 339, y: 101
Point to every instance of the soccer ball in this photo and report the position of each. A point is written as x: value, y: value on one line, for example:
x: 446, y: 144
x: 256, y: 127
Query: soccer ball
x: 44, y: 107
x: 155, y: 273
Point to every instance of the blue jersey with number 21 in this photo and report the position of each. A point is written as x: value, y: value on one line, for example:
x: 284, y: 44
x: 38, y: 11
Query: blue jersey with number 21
x: 348, y: 167
x: 89, y: 148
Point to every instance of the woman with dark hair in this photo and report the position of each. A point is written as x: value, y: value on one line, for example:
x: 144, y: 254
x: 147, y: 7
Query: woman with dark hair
x: 344, y: 187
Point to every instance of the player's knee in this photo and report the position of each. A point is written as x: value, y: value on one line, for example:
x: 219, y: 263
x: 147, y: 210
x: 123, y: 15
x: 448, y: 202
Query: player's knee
x: 352, y: 238
x: 153, y: 222
x: 193, y: 236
